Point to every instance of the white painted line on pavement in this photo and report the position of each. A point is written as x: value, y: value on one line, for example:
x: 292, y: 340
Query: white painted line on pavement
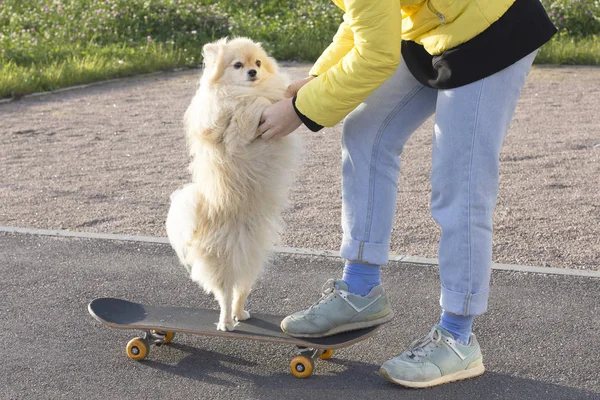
x: 86, y: 235
x: 298, y: 251
x: 308, y: 252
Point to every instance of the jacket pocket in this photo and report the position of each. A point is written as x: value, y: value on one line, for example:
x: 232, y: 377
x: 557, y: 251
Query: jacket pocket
x: 434, y: 9
x: 448, y: 10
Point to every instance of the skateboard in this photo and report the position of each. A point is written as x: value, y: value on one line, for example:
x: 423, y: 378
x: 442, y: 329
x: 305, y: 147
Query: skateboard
x: 160, y: 324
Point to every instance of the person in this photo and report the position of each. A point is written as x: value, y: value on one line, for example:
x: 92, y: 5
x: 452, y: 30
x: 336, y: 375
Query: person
x: 392, y: 64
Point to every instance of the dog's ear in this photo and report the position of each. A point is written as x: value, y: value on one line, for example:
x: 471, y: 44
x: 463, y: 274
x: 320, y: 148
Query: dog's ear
x: 210, y: 52
x: 213, y: 55
x: 268, y: 63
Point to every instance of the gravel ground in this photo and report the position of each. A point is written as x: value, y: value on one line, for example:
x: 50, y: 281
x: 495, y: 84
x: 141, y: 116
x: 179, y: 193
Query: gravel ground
x: 106, y: 158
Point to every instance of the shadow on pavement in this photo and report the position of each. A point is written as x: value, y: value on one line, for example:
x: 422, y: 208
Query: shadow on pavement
x: 357, y: 380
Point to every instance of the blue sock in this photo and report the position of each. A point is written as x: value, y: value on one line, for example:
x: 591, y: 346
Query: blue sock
x: 361, y: 278
x: 458, y: 325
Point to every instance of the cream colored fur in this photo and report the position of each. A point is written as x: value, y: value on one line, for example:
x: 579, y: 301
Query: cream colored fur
x: 224, y: 224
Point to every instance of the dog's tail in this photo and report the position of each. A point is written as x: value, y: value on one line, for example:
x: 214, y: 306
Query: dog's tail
x: 181, y: 220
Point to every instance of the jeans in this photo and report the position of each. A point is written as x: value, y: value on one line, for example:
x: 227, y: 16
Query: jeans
x: 471, y: 123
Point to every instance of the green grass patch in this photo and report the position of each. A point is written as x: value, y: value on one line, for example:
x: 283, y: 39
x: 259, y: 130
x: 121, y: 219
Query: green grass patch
x: 95, y: 64
x: 570, y: 50
x: 51, y: 44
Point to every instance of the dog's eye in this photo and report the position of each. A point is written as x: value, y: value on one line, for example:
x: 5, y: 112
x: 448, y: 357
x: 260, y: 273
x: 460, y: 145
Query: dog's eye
x: 238, y: 65
x: 258, y: 63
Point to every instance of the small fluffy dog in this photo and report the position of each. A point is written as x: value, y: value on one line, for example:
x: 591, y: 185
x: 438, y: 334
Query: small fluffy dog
x: 224, y: 224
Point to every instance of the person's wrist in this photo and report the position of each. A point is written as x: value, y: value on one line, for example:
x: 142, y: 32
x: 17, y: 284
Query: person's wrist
x: 309, y: 123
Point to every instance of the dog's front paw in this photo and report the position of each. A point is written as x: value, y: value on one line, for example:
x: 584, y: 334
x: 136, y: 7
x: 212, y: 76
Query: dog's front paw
x: 242, y: 316
x: 225, y: 326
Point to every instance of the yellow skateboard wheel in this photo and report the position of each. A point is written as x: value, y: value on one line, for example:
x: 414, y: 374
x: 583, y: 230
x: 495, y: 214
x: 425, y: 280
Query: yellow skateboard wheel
x: 168, y: 335
x: 301, y: 366
x: 326, y: 354
x: 137, y: 349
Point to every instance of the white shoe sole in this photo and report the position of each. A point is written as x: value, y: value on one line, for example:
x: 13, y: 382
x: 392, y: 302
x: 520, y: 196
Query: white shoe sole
x: 475, y: 369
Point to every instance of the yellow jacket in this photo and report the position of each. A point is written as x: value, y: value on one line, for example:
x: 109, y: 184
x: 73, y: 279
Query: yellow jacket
x: 366, y: 48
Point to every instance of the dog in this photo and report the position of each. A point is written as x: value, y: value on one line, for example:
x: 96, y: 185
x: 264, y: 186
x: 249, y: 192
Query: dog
x: 225, y: 224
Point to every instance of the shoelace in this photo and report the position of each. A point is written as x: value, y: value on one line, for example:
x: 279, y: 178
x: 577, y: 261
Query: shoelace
x: 422, y: 347
x: 327, y: 290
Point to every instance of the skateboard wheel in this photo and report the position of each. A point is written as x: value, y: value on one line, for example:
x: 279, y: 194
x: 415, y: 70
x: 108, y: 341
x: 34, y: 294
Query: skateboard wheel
x: 137, y: 349
x: 301, y: 366
x: 168, y: 335
x: 326, y: 355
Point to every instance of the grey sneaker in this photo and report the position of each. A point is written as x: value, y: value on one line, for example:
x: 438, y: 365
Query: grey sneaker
x: 435, y: 359
x: 339, y: 311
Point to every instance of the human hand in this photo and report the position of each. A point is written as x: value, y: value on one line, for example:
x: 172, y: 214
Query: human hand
x: 292, y: 89
x: 278, y: 120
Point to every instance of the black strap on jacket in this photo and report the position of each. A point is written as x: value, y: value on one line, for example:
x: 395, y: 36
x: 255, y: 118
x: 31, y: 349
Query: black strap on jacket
x: 524, y: 28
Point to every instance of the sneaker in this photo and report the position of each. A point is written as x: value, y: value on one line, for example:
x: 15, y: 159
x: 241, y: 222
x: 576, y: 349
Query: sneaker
x: 339, y: 311
x: 435, y: 359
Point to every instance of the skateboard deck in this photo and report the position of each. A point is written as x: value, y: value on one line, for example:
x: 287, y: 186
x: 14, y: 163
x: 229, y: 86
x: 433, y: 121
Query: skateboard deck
x: 159, y: 324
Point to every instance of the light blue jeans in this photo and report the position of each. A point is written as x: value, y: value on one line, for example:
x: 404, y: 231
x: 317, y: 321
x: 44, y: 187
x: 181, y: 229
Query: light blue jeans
x: 471, y: 123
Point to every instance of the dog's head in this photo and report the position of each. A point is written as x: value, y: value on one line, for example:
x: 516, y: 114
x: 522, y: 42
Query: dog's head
x: 239, y: 62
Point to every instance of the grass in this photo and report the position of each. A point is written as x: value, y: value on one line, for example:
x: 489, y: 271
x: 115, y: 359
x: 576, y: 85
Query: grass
x: 49, y: 44
x: 97, y: 64
x: 568, y: 50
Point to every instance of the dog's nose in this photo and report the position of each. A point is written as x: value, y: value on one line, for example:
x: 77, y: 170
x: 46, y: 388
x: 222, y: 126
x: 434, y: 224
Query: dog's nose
x: 252, y: 73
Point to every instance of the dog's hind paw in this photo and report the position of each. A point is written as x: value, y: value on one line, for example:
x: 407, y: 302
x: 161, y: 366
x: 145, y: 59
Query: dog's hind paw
x: 225, y: 326
x: 242, y: 316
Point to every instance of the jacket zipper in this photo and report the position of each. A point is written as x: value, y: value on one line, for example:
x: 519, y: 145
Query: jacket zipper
x: 439, y: 14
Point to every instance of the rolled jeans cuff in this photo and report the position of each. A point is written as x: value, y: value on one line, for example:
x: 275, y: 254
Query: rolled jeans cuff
x: 464, y: 303
x: 368, y: 253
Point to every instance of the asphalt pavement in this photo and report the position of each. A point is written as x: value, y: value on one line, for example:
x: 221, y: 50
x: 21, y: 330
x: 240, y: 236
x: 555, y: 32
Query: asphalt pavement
x: 540, y: 336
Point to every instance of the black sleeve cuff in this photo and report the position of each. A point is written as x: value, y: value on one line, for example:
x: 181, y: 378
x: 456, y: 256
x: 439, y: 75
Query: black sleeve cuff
x: 310, y: 124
